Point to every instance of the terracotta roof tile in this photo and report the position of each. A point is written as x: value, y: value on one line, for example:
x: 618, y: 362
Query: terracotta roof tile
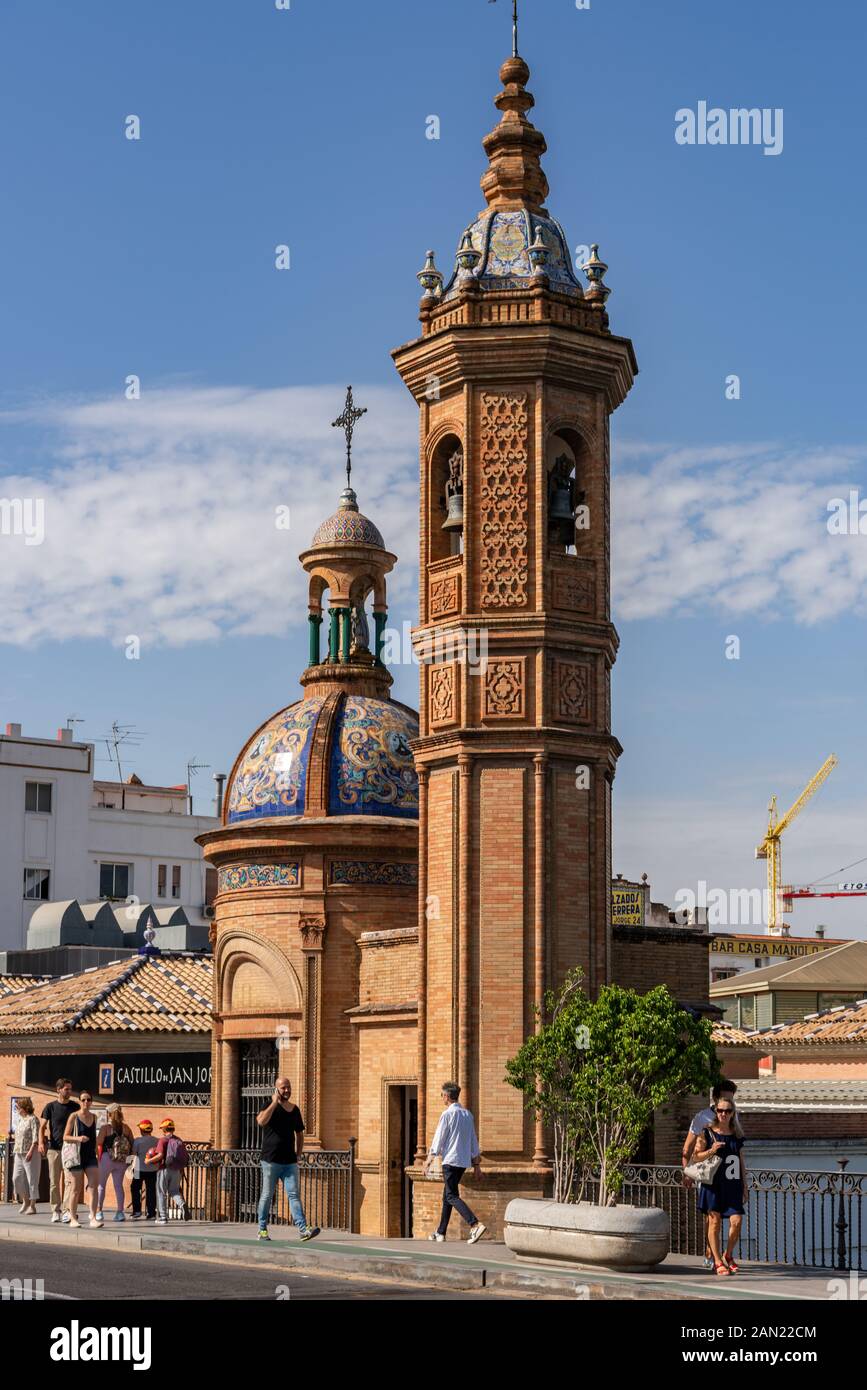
x: 846, y: 1023
x: 166, y: 994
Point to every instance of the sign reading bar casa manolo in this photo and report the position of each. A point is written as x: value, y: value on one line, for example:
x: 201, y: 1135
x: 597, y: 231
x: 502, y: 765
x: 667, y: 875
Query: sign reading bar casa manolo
x: 780, y: 948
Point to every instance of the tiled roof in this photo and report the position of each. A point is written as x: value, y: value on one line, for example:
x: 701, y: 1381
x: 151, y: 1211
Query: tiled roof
x: 768, y: 1093
x: 727, y: 1035
x: 13, y: 984
x: 847, y: 1023
x: 162, y: 994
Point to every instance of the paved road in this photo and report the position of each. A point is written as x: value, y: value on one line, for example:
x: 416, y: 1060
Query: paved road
x: 107, y: 1274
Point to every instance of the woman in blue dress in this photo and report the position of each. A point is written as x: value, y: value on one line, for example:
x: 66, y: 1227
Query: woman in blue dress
x: 726, y: 1195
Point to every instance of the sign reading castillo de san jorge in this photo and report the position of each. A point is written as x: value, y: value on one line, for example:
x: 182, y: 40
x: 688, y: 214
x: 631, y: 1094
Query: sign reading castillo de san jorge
x: 169, y: 1079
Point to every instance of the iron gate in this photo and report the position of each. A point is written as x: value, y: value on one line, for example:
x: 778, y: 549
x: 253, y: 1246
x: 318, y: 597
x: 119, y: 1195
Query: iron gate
x: 258, y: 1078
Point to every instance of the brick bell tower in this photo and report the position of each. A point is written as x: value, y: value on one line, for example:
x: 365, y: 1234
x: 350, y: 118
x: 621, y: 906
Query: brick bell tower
x: 516, y: 374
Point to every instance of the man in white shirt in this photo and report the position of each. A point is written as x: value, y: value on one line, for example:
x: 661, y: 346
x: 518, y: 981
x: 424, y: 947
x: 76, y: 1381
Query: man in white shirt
x: 456, y: 1144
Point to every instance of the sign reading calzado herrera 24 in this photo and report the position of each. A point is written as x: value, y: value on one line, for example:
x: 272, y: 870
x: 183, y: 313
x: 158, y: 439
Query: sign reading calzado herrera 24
x: 162, y: 1078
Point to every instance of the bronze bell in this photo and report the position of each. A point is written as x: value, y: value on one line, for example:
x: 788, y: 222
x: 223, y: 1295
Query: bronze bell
x: 455, y: 515
x: 561, y: 514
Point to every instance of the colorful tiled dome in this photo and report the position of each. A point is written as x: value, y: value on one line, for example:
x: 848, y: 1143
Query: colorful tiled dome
x: 347, y: 526
x: 503, y: 240
x: 372, y: 772
x: 370, y: 768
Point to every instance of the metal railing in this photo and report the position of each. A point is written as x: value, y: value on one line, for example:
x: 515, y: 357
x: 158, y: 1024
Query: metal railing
x: 792, y: 1217
x: 225, y: 1184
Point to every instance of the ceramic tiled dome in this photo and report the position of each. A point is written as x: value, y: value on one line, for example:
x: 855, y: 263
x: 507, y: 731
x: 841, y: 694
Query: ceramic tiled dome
x: 503, y: 241
x: 364, y: 744
x: 347, y: 526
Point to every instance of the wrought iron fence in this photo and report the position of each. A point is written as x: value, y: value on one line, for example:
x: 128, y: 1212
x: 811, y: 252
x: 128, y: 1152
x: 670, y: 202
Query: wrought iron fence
x: 225, y: 1184
x: 792, y: 1217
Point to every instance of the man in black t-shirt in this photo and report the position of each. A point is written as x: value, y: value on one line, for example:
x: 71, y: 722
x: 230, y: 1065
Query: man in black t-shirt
x: 282, y: 1144
x: 51, y: 1131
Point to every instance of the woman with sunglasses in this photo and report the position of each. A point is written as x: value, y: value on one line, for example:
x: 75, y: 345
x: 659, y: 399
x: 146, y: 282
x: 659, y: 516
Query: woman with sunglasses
x: 726, y: 1195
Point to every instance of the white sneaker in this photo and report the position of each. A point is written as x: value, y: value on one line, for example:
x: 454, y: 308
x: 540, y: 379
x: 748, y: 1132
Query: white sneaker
x: 99, y: 1219
x: 94, y: 1223
x: 55, y: 1216
x: 74, y: 1223
x: 476, y: 1233
x: 435, y: 1235
x: 65, y: 1218
x: 161, y: 1221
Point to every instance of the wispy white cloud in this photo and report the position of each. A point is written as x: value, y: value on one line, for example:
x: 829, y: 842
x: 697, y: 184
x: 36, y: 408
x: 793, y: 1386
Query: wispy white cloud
x: 160, y: 513
x: 739, y: 529
x: 160, y: 516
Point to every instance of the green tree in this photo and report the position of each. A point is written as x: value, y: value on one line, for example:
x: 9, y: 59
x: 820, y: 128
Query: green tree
x: 597, y: 1069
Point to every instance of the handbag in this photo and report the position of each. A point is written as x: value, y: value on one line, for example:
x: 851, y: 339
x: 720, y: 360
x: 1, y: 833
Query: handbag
x: 704, y: 1171
x: 70, y: 1156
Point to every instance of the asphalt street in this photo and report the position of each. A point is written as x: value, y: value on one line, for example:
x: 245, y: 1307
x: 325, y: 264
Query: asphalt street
x: 69, y: 1274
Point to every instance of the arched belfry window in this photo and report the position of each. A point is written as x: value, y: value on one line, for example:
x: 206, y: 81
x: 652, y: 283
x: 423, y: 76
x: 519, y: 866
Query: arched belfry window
x: 565, y: 491
x: 446, y: 501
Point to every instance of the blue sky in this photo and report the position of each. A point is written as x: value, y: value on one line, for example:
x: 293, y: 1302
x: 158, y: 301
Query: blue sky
x: 307, y: 127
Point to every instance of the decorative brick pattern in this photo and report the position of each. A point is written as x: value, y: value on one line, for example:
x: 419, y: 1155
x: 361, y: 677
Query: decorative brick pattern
x: 504, y: 501
x: 574, y: 590
x: 504, y: 689
x: 572, y: 698
x: 445, y: 596
x: 442, y: 694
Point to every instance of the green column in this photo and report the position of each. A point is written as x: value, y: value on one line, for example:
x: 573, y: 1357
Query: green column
x: 315, y: 622
x: 333, y: 634
x: 380, y: 621
x: 345, y: 615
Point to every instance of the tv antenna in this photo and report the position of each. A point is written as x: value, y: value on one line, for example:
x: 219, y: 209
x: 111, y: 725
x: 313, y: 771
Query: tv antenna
x: 121, y: 735
x: 192, y: 768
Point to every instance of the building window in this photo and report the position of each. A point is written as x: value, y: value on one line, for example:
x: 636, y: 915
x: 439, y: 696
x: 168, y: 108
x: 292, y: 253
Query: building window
x: 114, y: 880
x: 37, y: 797
x: 161, y: 880
x: 37, y: 885
x: 176, y: 880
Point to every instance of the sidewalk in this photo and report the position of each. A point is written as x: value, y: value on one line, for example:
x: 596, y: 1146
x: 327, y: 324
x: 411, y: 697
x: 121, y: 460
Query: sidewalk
x: 451, y: 1265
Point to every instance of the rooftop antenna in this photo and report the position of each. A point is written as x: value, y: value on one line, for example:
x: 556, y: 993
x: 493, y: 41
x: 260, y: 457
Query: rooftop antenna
x: 347, y: 422
x: 120, y: 734
x: 514, y: 25
x: 192, y: 768
x: 73, y: 720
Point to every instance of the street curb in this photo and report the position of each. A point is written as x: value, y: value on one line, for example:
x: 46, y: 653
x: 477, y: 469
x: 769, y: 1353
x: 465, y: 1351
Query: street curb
x: 460, y: 1274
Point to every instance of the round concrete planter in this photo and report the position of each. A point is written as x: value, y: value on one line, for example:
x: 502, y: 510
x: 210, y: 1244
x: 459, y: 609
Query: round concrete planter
x: 622, y: 1237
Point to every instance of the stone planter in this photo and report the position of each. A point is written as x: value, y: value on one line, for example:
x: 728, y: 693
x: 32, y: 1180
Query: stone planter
x: 621, y: 1237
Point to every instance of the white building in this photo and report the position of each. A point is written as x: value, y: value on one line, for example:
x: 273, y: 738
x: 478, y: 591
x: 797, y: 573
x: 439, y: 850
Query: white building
x: 64, y: 835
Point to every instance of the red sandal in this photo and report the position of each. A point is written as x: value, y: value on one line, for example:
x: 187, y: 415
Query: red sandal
x: 731, y: 1264
x: 721, y: 1269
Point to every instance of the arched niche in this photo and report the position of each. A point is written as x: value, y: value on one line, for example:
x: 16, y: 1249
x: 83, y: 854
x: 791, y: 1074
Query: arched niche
x: 249, y: 965
x: 445, y: 474
x: 565, y: 458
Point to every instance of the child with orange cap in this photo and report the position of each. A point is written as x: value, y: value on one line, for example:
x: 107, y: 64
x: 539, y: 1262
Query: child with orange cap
x: 144, y: 1173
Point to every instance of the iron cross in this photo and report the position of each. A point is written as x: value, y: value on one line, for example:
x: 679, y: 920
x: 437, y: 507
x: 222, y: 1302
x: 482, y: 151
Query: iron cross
x: 514, y: 26
x: 347, y: 422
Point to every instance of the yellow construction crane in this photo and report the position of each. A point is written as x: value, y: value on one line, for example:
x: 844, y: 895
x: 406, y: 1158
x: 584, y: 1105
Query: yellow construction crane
x: 770, y: 847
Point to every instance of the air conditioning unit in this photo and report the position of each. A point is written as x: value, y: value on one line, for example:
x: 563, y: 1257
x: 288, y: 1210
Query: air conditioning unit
x: 209, y: 911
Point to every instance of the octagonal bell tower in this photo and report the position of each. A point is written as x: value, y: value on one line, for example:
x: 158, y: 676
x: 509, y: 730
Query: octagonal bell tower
x: 516, y: 374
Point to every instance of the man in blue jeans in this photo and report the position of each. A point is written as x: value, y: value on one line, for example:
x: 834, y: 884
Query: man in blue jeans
x: 282, y: 1144
x: 456, y: 1144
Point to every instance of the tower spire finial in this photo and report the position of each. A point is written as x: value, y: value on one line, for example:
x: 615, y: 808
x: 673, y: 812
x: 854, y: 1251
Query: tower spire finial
x: 347, y: 422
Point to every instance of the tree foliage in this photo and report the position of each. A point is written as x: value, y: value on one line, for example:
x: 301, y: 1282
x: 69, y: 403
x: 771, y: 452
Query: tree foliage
x: 596, y: 1070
